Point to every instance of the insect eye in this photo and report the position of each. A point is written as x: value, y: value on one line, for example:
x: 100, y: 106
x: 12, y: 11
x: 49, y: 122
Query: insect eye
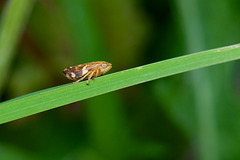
x: 104, y: 65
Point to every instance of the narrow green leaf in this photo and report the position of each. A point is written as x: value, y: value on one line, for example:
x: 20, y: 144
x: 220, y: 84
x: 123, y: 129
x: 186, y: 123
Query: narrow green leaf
x: 61, y: 95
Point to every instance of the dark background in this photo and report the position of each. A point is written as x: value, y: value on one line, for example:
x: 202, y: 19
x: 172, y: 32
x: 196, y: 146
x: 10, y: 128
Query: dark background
x: 189, y: 116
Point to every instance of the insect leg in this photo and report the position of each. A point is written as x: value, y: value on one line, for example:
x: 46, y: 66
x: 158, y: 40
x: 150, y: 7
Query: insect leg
x: 90, y: 76
x: 96, y: 74
x: 82, y: 77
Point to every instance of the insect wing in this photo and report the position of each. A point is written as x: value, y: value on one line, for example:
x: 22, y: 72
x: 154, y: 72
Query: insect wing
x: 77, y: 71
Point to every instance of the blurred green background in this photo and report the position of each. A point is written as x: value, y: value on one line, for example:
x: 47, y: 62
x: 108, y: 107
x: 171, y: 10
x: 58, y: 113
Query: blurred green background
x: 190, y: 116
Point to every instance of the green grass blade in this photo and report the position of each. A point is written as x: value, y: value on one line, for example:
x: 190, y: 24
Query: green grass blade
x: 61, y: 95
x: 13, y: 21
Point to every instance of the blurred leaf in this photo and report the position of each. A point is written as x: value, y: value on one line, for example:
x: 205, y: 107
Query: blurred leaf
x: 12, y: 23
x: 84, y: 30
x: 61, y: 95
x: 203, y: 26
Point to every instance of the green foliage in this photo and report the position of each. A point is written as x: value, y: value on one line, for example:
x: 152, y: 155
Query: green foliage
x: 177, y: 117
x: 69, y: 93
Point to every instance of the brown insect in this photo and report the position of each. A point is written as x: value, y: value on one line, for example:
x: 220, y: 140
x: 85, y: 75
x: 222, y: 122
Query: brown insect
x: 89, y: 70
